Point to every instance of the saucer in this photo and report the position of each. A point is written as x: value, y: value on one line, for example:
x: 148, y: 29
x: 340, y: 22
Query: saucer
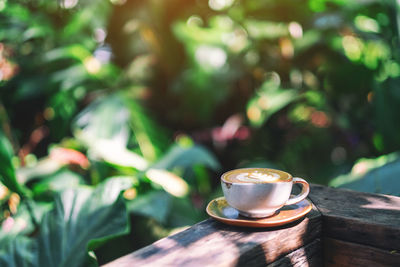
x: 220, y: 210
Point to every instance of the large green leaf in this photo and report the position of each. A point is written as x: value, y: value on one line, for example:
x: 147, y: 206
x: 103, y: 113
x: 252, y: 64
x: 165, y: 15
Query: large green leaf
x: 155, y: 204
x: 17, y: 252
x: 150, y: 137
x: 379, y: 175
x: 82, y: 220
x: 165, y: 209
x: 186, y: 157
x: 118, y: 155
x: 106, y: 118
x: 270, y: 98
x: 58, y: 181
x: 7, y: 172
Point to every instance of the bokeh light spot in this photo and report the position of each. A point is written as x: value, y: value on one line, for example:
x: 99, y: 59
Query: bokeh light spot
x: 130, y: 193
x: 194, y: 21
x: 48, y: 113
x: 254, y: 113
x: 295, y: 29
x: 219, y: 4
x: 366, y: 24
x: 287, y: 48
x: 118, y: 2
x: 69, y: 3
x: 210, y: 56
x: 370, y: 97
x: 3, y: 4
x: 92, y: 65
x: 320, y: 119
x: 100, y: 35
x: 352, y: 47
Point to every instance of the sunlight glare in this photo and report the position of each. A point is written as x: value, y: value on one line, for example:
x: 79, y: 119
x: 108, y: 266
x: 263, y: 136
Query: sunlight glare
x: 210, y: 56
x: 69, y: 3
x: 220, y: 4
x: 295, y: 29
x: 92, y: 65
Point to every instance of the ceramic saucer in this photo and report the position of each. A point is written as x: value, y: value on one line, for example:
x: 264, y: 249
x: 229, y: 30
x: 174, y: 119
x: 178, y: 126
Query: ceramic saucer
x: 220, y: 210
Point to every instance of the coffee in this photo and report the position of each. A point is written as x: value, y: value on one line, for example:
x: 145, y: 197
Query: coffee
x: 256, y: 175
x: 260, y: 192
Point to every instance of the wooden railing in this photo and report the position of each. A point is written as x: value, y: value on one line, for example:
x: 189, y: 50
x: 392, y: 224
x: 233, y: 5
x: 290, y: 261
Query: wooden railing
x: 344, y: 228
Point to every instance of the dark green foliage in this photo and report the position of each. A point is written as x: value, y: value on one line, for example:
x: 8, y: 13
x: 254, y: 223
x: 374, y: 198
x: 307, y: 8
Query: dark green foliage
x: 112, y: 111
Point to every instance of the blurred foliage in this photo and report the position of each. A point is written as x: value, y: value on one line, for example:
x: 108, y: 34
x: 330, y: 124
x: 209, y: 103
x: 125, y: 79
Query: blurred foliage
x: 127, y: 111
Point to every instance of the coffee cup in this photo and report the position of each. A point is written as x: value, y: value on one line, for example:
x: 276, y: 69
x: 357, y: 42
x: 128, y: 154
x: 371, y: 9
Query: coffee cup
x: 260, y: 192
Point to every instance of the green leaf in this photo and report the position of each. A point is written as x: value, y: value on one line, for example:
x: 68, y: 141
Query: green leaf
x: 58, y: 181
x: 149, y: 136
x: 7, y: 172
x: 106, y: 118
x: 155, y: 204
x: 187, y: 157
x: 266, y: 29
x: 270, y: 99
x: 75, y: 51
x: 379, y: 175
x: 44, y: 167
x: 17, y: 252
x: 117, y: 155
x: 82, y: 220
x: 15, y: 248
x: 182, y: 213
x: 169, y: 181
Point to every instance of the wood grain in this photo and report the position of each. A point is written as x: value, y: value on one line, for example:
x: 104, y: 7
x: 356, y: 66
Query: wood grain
x: 211, y: 243
x: 310, y: 255
x: 342, y: 253
x: 369, y: 219
x: 356, y: 229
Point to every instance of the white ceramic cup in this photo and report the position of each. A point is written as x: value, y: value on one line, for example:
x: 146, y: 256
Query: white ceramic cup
x: 261, y: 198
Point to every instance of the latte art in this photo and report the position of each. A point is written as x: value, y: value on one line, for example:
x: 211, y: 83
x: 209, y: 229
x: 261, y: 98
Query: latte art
x: 254, y: 177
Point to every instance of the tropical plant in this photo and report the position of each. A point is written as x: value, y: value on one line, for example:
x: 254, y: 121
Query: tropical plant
x: 115, y: 109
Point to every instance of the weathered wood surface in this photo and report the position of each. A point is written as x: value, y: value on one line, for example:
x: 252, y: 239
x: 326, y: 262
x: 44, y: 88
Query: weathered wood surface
x: 211, y: 243
x: 310, y: 255
x: 344, y: 225
x: 369, y: 219
x: 342, y: 253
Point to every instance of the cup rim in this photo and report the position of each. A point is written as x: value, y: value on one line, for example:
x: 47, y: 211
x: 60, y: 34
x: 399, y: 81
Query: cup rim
x: 288, y: 179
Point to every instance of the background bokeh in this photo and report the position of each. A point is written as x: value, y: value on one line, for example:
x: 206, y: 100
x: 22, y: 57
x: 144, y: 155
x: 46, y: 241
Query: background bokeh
x: 117, y: 117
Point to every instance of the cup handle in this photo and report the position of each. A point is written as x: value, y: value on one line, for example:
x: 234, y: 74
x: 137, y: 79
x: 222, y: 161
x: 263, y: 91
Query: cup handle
x: 303, y: 194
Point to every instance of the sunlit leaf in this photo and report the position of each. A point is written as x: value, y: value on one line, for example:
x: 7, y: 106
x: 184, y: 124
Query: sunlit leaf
x: 260, y: 29
x: 378, y: 175
x: 75, y: 51
x: 150, y: 137
x: 268, y: 101
x: 116, y: 154
x: 171, y: 183
x: 366, y: 24
x: 43, y: 167
x: 106, y: 118
x: 187, y: 157
x: 81, y: 220
x: 60, y: 180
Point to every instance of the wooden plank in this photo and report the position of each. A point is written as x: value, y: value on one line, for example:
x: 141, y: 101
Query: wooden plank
x: 310, y: 255
x: 211, y: 243
x: 342, y: 253
x: 369, y: 219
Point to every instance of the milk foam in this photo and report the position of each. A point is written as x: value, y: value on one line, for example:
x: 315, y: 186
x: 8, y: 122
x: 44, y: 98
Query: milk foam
x: 257, y: 177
